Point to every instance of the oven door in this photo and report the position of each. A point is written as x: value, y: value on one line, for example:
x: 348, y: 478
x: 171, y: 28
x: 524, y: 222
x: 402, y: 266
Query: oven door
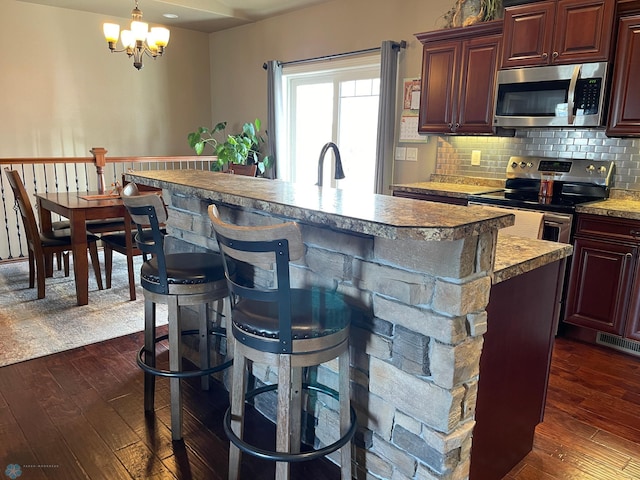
x: 556, y: 226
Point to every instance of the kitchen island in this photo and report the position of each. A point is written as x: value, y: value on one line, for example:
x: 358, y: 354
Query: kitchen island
x: 419, y: 275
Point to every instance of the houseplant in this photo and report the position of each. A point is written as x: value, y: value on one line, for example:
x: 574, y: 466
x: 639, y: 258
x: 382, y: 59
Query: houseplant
x: 242, y: 148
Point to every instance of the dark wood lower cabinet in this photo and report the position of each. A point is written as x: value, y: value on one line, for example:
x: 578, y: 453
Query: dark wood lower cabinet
x: 514, y: 369
x: 604, y: 288
x: 633, y: 323
x: 600, y: 286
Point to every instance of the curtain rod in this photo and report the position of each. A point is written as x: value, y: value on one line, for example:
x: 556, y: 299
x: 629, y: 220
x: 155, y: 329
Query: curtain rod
x: 401, y: 44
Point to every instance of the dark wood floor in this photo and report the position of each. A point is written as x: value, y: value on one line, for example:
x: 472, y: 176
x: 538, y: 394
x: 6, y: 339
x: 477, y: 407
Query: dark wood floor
x: 78, y: 415
x: 591, y: 429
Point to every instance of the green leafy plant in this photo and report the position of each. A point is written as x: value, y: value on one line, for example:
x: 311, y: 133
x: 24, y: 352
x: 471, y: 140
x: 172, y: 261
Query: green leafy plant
x: 243, y: 148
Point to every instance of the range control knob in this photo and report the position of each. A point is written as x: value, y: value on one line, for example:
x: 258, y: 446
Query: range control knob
x: 602, y: 170
x: 590, y: 169
x: 529, y: 164
x: 514, y: 164
x: 522, y: 164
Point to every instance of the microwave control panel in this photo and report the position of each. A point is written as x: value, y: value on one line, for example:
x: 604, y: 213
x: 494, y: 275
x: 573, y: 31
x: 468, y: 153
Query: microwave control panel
x: 587, y: 97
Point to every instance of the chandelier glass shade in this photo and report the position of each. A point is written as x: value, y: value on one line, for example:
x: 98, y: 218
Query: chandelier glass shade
x: 139, y: 40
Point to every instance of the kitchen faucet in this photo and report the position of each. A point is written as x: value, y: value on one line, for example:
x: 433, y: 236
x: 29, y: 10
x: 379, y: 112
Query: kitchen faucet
x: 339, y: 174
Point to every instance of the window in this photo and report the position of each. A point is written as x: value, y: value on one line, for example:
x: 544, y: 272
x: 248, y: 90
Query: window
x: 336, y: 101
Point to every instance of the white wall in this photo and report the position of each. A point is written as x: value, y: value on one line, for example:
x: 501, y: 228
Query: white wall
x: 62, y: 92
x: 239, y: 82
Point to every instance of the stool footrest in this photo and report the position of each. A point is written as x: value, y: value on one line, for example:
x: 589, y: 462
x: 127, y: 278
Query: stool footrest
x: 285, y: 456
x: 181, y: 374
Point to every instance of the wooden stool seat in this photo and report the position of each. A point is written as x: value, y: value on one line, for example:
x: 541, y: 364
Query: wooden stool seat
x: 286, y: 328
x: 314, y: 313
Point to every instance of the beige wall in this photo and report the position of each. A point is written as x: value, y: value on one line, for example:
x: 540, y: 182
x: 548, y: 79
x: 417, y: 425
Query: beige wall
x: 62, y: 91
x: 239, y: 82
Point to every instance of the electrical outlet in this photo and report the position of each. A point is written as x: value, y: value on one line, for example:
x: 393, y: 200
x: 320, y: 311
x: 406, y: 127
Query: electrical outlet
x: 412, y: 154
x: 475, y: 157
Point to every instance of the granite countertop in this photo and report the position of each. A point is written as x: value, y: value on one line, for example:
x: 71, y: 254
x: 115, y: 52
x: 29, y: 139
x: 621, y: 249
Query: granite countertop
x: 457, y: 186
x: 379, y: 215
x: 518, y: 255
x: 356, y: 211
x: 458, y: 190
x: 621, y: 204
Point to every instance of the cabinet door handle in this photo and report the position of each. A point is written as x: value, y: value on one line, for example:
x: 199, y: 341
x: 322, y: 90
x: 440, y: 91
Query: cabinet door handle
x: 554, y: 55
x: 545, y: 55
x: 628, y: 255
x: 635, y: 233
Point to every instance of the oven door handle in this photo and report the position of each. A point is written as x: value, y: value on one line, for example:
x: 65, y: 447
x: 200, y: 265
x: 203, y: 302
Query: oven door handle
x: 554, y: 223
x: 562, y: 223
x: 557, y: 218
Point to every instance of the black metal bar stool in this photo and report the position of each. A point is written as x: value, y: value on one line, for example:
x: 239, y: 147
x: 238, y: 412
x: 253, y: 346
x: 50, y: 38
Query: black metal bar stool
x: 290, y: 328
x: 177, y: 280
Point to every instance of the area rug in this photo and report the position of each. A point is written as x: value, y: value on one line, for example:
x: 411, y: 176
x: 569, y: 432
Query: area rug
x: 31, y: 328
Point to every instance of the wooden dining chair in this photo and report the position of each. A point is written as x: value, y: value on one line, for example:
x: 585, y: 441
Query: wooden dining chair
x: 124, y: 243
x: 41, y: 246
x: 246, y: 170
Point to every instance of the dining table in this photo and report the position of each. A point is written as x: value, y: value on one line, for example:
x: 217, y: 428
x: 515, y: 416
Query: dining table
x: 80, y: 208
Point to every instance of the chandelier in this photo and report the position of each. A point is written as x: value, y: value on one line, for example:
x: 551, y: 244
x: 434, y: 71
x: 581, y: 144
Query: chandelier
x: 138, y: 40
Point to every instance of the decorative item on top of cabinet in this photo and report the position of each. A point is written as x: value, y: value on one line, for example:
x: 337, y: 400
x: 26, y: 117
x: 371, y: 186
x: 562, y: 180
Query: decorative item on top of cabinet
x: 624, y: 106
x: 557, y: 32
x: 469, y: 12
x: 459, y: 68
x: 604, y: 287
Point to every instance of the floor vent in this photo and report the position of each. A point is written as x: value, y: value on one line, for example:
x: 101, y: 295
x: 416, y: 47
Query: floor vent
x: 623, y: 344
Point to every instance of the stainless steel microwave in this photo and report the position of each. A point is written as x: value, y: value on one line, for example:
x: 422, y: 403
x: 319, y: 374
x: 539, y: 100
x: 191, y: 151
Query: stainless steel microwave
x: 551, y: 96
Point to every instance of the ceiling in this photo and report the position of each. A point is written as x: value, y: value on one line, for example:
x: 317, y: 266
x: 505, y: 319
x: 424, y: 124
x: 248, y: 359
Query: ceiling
x: 200, y: 15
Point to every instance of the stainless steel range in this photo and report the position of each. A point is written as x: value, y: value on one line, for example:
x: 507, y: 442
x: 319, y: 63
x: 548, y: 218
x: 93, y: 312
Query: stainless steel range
x: 554, y: 187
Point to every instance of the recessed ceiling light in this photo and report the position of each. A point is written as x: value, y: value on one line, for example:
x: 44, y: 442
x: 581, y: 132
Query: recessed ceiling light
x: 169, y: 15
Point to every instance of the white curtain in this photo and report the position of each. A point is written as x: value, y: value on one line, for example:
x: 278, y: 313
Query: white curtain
x: 386, y: 115
x: 275, y: 117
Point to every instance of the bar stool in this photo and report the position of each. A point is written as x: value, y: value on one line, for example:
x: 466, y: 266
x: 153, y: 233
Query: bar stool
x: 177, y: 280
x: 289, y: 328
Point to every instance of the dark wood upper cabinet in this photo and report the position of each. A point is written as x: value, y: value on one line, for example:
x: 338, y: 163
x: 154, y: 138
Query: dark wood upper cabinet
x: 528, y: 34
x: 438, y: 93
x: 624, y: 107
x: 459, y: 68
x: 479, y: 62
x: 557, y: 32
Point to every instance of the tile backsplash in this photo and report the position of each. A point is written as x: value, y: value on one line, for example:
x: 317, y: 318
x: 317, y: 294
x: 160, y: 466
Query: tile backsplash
x: 454, y: 152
